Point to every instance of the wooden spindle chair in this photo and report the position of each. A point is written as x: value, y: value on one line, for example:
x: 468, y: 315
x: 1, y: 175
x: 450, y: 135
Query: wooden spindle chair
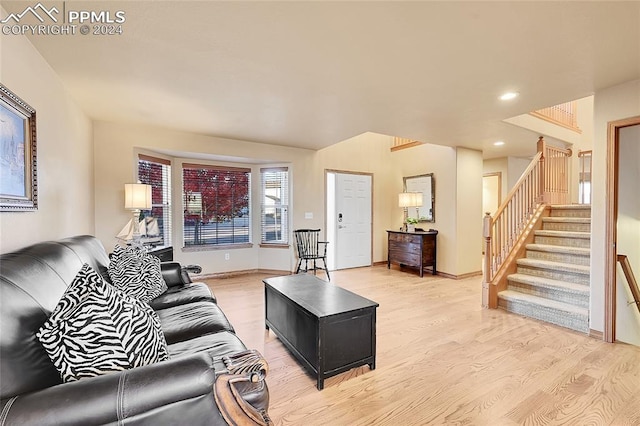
x: 310, y: 249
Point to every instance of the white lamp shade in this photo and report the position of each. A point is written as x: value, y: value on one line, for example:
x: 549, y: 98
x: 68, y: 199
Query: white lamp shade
x: 137, y: 196
x: 410, y: 199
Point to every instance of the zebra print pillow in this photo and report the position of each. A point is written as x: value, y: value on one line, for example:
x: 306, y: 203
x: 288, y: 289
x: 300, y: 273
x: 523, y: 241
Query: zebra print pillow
x: 137, y: 273
x: 141, y: 333
x: 96, y: 329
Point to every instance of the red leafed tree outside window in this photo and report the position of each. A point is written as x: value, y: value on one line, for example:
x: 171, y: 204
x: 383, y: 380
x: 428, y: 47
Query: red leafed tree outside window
x: 216, y: 205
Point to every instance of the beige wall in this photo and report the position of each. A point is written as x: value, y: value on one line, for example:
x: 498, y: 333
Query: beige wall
x: 458, y: 193
x: 116, y: 148
x: 65, y: 151
x: 511, y: 169
x: 516, y: 166
x: 499, y: 165
x: 441, y: 161
x: 117, y: 145
x: 468, y: 210
x: 615, y: 103
x: 365, y: 153
x: 584, y: 143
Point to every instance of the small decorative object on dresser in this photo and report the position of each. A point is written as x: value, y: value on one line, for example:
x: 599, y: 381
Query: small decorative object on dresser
x: 413, y: 249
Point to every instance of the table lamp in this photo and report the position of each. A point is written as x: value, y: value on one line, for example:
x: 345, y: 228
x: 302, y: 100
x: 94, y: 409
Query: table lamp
x: 137, y: 197
x: 409, y: 199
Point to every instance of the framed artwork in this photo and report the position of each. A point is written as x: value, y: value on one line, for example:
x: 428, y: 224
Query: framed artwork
x: 18, y: 165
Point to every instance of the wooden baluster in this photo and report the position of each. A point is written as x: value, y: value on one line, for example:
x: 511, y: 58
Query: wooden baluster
x: 487, y: 275
x: 541, y: 149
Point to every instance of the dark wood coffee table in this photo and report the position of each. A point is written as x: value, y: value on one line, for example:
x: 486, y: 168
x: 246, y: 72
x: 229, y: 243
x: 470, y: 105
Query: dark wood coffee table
x: 330, y: 330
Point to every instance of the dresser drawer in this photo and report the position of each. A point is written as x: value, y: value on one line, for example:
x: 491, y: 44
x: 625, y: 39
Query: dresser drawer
x: 409, y: 259
x: 413, y: 248
x: 404, y: 238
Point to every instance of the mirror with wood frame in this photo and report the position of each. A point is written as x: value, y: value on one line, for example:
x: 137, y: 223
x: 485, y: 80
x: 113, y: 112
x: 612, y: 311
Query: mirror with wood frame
x: 426, y: 185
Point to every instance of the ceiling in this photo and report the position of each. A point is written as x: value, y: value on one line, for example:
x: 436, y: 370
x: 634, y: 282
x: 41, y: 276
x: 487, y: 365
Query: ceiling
x: 311, y: 74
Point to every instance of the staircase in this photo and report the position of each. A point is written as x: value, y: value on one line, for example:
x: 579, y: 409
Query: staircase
x: 552, y: 281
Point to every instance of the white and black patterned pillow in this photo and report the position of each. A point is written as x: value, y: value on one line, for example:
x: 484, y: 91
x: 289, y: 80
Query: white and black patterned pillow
x: 80, y: 336
x: 137, y: 273
x: 96, y: 329
x: 141, y: 333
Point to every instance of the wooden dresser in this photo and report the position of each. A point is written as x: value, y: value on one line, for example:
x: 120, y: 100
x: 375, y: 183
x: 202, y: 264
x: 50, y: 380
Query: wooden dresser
x: 413, y: 249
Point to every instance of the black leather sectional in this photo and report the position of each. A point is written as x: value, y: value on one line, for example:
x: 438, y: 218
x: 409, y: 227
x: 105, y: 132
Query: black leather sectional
x: 178, y: 391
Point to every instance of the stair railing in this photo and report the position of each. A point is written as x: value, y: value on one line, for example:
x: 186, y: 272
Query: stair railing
x: 555, y: 173
x: 544, y: 181
x: 631, y: 279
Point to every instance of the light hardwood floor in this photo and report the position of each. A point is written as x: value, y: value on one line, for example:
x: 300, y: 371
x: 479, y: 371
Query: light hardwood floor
x: 442, y: 359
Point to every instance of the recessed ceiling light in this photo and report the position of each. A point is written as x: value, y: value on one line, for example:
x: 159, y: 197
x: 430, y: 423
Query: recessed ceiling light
x: 498, y: 143
x: 508, y: 96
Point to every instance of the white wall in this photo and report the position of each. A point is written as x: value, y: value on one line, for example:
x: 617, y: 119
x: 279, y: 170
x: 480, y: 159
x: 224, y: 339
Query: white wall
x: 615, y: 103
x: 64, y: 150
x: 628, y: 233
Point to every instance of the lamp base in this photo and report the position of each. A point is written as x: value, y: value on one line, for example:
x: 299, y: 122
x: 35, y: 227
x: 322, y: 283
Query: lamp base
x: 135, y: 236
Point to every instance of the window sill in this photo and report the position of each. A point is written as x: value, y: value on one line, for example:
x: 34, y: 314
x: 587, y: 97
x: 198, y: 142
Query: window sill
x: 217, y: 247
x: 278, y: 246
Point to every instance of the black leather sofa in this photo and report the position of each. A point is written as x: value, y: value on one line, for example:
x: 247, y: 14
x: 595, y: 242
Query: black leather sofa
x: 188, y: 389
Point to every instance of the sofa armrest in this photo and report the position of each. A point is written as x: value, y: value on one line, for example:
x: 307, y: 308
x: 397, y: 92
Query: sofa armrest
x: 178, y: 391
x: 173, y: 274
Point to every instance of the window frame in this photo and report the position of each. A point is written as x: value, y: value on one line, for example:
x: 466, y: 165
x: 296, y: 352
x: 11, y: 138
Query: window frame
x: 203, y: 245
x: 166, y: 191
x: 284, y: 223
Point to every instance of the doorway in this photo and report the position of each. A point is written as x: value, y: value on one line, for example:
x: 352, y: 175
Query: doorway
x: 491, y: 192
x: 622, y: 321
x: 349, y: 219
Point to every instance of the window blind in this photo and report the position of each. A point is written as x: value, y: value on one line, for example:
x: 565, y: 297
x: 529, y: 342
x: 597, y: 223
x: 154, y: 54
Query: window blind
x: 157, y: 173
x: 274, y: 216
x: 216, y: 203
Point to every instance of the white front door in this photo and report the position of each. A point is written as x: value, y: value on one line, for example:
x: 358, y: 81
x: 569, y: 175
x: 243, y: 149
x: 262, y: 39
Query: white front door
x: 352, y: 220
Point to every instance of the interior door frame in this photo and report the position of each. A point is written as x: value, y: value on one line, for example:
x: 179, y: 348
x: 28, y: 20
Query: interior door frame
x: 611, y: 216
x: 326, y: 203
x: 499, y: 176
